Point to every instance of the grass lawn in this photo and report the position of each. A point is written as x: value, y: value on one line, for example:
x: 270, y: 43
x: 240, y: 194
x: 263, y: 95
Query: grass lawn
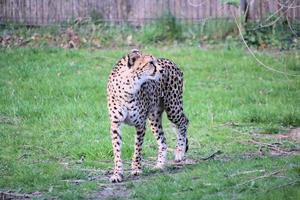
x: 55, y: 140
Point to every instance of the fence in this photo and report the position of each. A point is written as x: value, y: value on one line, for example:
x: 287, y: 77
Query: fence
x: 45, y: 12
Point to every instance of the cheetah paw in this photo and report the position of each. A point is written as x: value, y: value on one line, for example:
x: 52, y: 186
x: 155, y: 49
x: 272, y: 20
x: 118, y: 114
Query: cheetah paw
x: 179, y: 155
x: 159, y: 166
x: 116, y: 178
x: 136, y: 172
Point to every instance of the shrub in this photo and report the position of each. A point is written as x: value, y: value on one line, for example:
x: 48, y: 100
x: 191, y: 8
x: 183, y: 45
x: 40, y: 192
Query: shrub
x: 281, y: 34
x: 165, y: 28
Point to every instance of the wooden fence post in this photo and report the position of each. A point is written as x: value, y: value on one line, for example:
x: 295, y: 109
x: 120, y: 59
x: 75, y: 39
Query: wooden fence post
x: 244, y: 6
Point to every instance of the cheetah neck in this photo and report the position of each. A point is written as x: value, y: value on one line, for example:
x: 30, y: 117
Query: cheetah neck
x: 128, y: 84
x: 133, y: 85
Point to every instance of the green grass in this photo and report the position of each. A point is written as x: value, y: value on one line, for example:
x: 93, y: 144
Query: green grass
x: 224, y: 180
x: 53, y: 113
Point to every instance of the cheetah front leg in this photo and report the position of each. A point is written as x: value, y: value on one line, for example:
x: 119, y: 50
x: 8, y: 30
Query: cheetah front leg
x: 136, y: 165
x: 156, y: 126
x: 117, y: 143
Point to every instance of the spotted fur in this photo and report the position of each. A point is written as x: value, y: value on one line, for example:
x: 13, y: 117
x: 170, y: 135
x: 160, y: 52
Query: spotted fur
x: 141, y: 87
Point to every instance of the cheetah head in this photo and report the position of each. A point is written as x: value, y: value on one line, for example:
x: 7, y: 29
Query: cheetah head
x: 142, y: 67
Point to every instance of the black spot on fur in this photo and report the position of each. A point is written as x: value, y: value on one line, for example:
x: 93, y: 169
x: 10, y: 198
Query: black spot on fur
x: 186, y: 145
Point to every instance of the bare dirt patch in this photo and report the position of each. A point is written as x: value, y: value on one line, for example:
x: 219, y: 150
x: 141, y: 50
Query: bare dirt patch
x: 20, y: 196
x: 112, y: 192
x: 293, y: 134
x: 282, y: 144
x: 122, y: 190
x: 9, y: 120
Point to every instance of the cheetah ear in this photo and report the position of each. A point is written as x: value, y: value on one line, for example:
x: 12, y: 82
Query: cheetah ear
x: 132, y: 57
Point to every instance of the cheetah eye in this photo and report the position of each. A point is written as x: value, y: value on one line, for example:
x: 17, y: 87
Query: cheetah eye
x: 151, y: 63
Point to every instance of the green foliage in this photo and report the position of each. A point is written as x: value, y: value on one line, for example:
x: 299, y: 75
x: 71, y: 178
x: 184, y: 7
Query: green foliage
x: 96, y: 16
x: 281, y: 34
x: 272, y: 32
x: 231, y: 2
x: 95, y: 33
x: 165, y: 28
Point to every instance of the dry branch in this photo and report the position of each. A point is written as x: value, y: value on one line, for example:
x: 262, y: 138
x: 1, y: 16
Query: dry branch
x: 288, y: 5
x: 255, y: 57
x: 271, y: 146
x: 14, y: 195
x: 284, y: 185
x: 247, y: 172
x: 260, y: 177
x: 212, y: 156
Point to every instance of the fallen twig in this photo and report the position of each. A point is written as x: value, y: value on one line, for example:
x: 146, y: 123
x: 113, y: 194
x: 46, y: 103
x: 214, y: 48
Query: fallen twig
x: 74, y: 181
x: 212, y: 156
x: 274, y: 144
x: 93, y: 170
x: 260, y: 177
x: 247, y: 172
x: 13, y: 195
x: 284, y: 185
x: 271, y: 146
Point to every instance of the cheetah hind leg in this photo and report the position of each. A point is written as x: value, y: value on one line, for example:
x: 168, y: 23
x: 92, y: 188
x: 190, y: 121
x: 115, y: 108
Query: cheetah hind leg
x: 182, y: 141
x: 155, y: 120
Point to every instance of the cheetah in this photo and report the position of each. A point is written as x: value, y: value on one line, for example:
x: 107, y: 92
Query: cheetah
x: 141, y: 87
